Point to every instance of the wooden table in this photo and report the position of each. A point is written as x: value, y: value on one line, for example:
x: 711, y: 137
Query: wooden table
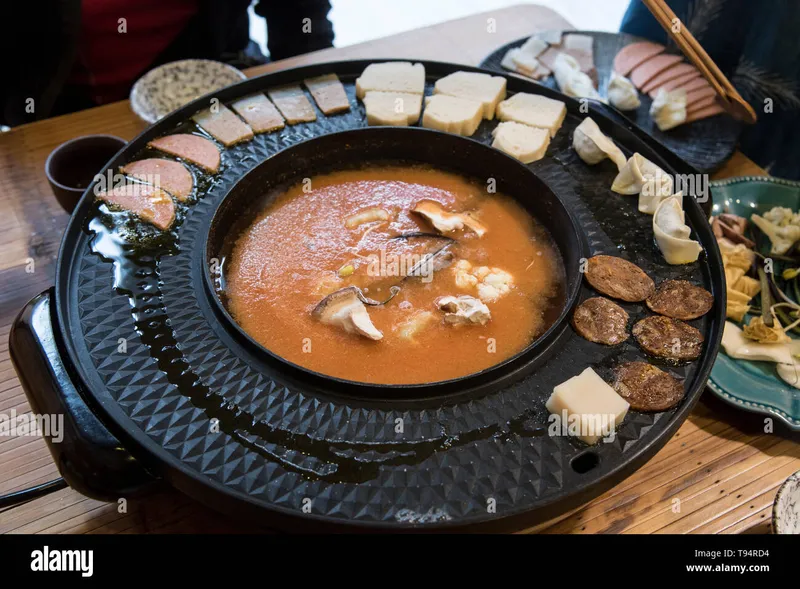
x: 720, y: 465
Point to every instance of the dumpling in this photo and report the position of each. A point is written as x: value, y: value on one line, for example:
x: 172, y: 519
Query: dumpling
x: 669, y: 108
x: 571, y: 80
x: 593, y: 146
x: 672, y: 233
x: 641, y: 175
x: 622, y: 93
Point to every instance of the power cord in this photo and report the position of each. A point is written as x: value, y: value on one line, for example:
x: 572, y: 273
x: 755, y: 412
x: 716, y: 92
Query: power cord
x: 25, y: 495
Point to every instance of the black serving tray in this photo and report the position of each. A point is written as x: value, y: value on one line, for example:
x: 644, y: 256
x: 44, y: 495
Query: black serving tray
x: 706, y: 145
x: 297, y: 453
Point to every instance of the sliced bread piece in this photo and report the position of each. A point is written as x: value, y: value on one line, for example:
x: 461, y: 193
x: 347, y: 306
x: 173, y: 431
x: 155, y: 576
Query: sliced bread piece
x: 392, y: 76
x: 328, y: 93
x: 258, y: 112
x: 533, y: 110
x: 223, y: 125
x: 451, y: 114
x: 486, y: 89
x: 392, y: 108
x: 527, y: 144
x: 293, y: 104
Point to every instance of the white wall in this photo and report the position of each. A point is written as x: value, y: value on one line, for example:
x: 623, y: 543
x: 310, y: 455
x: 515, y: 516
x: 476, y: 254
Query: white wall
x: 356, y: 21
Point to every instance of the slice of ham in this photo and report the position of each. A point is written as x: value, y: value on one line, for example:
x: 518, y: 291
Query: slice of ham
x: 675, y: 71
x: 223, y: 125
x: 676, y: 83
x: 170, y: 175
x: 695, y: 84
x: 328, y: 93
x: 701, y: 104
x: 147, y: 202
x: 699, y: 94
x: 635, y: 54
x: 259, y: 113
x: 192, y: 148
x: 293, y: 104
x: 646, y: 71
x: 704, y: 113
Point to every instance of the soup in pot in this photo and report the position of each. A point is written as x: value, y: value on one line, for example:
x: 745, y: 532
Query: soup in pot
x: 394, y: 275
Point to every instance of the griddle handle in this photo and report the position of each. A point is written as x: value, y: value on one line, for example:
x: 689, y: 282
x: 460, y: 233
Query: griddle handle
x: 89, y: 457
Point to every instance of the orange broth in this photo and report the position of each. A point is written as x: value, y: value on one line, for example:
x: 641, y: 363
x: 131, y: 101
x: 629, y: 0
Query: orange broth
x: 290, y: 258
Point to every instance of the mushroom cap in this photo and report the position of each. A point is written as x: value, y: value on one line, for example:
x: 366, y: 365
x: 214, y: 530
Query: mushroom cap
x: 343, y: 308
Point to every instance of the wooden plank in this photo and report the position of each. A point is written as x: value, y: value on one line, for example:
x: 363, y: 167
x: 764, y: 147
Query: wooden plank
x: 725, y: 476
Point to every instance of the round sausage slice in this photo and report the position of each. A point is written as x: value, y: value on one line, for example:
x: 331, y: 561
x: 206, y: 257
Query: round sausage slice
x: 668, y: 338
x: 619, y: 278
x: 646, y: 387
x: 680, y: 299
x: 601, y: 321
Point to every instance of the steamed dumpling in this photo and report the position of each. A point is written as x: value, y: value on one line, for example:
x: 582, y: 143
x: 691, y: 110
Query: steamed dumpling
x: 669, y: 108
x: 593, y: 146
x: 672, y: 233
x: 641, y: 175
x: 571, y: 80
x: 622, y: 93
x: 650, y: 199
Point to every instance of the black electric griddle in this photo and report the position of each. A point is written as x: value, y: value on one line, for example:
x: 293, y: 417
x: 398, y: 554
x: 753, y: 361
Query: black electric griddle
x: 157, y: 383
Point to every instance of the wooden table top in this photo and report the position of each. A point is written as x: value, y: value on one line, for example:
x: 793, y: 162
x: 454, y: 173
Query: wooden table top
x: 721, y: 465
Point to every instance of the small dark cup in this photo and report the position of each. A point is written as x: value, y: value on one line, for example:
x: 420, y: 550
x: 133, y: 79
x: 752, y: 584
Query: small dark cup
x: 71, y: 167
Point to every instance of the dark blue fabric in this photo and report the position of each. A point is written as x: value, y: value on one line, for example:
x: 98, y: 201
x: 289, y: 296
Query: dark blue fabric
x: 756, y: 43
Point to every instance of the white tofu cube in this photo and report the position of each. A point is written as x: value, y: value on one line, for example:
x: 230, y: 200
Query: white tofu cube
x: 593, y: 403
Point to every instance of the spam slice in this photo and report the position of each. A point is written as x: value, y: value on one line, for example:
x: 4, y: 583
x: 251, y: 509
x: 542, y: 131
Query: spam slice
x: 149, y: 203
x: 527, y: 144
x: 167, y: 174
x: 293, y: 104
x: 635, y: 54
x: 486, y: 89
x: 223, y: 125
x: 258, y: 112
x: 453, y: 115
x: 328, y: 93
x: 533, y: 110
x: 392, y: 108
x: 192, y: 148
x: 392, y: 76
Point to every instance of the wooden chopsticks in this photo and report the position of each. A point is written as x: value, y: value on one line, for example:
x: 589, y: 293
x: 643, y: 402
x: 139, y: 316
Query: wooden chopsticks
x: 728, y: 97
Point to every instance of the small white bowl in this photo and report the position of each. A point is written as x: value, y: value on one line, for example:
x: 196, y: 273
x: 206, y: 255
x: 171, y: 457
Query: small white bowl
x: 168, y: 87
x: 786, y: 510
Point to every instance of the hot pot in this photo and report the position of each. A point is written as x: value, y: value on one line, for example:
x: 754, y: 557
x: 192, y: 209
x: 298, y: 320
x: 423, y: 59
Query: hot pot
x: 157, y: 382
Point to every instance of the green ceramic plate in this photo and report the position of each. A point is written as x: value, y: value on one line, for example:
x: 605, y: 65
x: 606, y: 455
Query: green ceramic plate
x: 755, y: 386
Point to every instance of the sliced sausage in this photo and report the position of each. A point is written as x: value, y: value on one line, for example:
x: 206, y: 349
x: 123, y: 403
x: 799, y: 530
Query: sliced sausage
x: 672, y: 72
x: 646, y: 387
x: 676, y: 83
x: 668, y: 338
x: 680, y: 299
x: 648, y: 70
x: 601, y: 321
x: 704, y: 113
x: 635, y: 54
x: 146, y: 202
x: 619, y: 278
x: 192, y: 148
x: 170, y: 175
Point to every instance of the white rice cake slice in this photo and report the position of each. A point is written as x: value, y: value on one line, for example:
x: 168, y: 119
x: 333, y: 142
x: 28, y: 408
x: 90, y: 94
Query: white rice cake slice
x: 293, y: 104
x: 452, y: 114
x: 534, y: 46
x: 530, y: 66
x: 534, y: 110
x: 527, y: 144
x: 258, y: 112
x: 398, y: 109
x: 486, y: 89
x: 588, y: 400
x: 224, y: 126
x: 328, y: 93
x: 392, y: 76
